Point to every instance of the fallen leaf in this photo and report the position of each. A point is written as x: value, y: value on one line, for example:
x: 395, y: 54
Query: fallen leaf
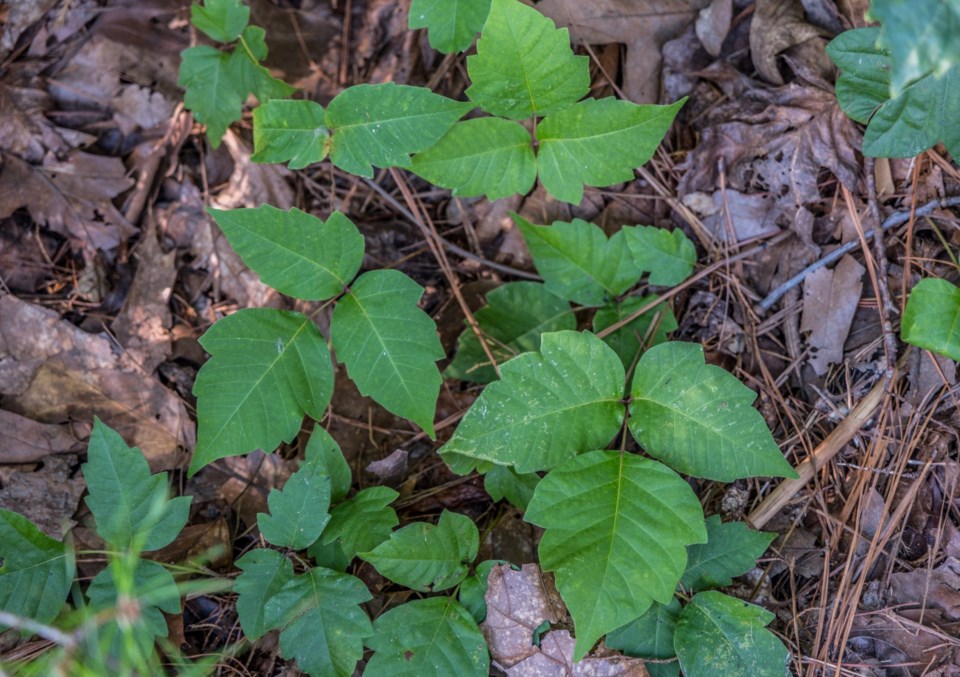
x: 713, y: 24
x: 392, y: 469
x: 934, y: 589
x: 27, y: 441
x: 777, y: 25
x: 21, y: 15
x: 830, y: 299
x: 48, y: 495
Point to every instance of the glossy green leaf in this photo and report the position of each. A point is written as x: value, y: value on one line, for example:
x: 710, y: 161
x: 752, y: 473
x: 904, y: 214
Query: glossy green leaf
x: 363, y: 522
x: 516, y: 315
x: 247, y: 73
x: 291, y: 131
x: 473, y: 589
x: 731, y: 550
x: 668, y: 255
x: 630, y: 338
x: 36, y: 571
x: 452, y: 24
x: 578, y: 262
x: 131, y: 507
x: 931, y: 319
x: 617, y: 526
x: 211, y: 92
x: 698, y: 419
x: 294, y: 252
x: 721, y: 635
x: 524, y: 65
x: 389, y: 345
x: 383, y: 124
x: 425, y: 557
x: 264, y: 574
x: 864, y: 82
x: 547, y: 407
x: 504, y: 482
x: 323, y: 449
x: 299, y: 511
x: 598, y: 142
x: 433, y: 637
x: 650, y: 636
x: 222, y: 20
x: 482, y: 156
x: 267, y: 369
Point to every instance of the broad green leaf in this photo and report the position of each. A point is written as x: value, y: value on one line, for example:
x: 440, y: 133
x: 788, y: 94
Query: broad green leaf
x: 524, y: 65
x: 451, y: 24
x: 363, y: 522
x: 864, y: 83
x: 425, y: 557
x: 617, y: 526
x: 698, y: 419
x: 505, y: 482
x: 383, y: 124
x: 473, y: 589
x: 630, y: 338
x: 650, y: 636
x: 516, y: 315
x: 328, y: 555
x: 931, y: 319
x: 547, y: 407
x: 299, y: 511
x: 211, y: 93
x: 921, y: 36
x: 264, y: 574
x: 668, y: 255
x: 433, y: 637
x: 291, y: 131
x: 482, y: 156
x: 245, y: 69
x: 294, y: 252
x: 732, y: 549
x: 222, y: 20
x: 322, y: 448
x: 36, y: 571
x: 598, y: 142
x: 578, y: 262
x: 389, y: 345
x: 267, y: 369
x: 721, y: 635
x: 131, y: 507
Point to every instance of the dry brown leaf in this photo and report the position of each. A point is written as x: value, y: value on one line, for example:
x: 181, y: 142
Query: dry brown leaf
x: 713, y: 24
x: 830, y: 299
x: 22, y: 15
x: 24, y: 129
x: 777, y: 25
x: 936, y: 589
x: 47, y: 496
x: 392, y: 469
x: 27, y: 441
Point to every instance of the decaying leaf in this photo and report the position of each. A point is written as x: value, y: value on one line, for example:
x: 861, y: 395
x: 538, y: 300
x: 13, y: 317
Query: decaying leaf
x: 47, y: 495
x: 830, y: 299
x: 27, y: 441
x: 933, y: 589
x: 777, y: 25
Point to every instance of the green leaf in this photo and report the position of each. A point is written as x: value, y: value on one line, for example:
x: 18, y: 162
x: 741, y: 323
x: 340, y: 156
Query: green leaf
x: 630, y: 338
x: 294, y: 252
x: 698, y: 418
x: 36, y: 571
x: 473, y: 590
x: 516, y: 315
x: 578, y: 262
x: 131, y: 506
x: 598, y: 142
x: 524, y: 65
x: 503, y: 482
x: 864, y: 84
x: 931, y: 319
x: 732, y: 549
x: 389, y: 345
x: 433, y: 637
x: 425, y: 557
x: 451, y: 24
x: 383, y: 124
x: 547, y: 407
x: 265, y: 573
x: 363, y: 522
x: 720, y: 635
x: 267, y: 369
x: 211, y: 93
x: 668, y: 255
x: 298, y: 512
x: 482, y: 156
x: 222, y: 20
x: 289, y: 131
x: 247, y: 73
x: 617, y: 526
x: 650, y: 636
x: 323, y: 449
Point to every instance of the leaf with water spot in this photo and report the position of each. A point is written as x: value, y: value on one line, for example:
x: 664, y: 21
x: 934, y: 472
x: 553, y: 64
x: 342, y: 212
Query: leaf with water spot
x: 299, y: 511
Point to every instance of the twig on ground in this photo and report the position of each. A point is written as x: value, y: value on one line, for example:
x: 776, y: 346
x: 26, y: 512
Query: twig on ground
x: 884, y: 303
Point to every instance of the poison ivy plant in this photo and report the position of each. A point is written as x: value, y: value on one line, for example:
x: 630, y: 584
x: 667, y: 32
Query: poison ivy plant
x: 668, y: 255
x: 363, y: 522
x: 931, y: 319
x: 732, y: 549
x: 645, y: 331
x: 651, y: 636
x: 452, y: 24
x: 298, y: 512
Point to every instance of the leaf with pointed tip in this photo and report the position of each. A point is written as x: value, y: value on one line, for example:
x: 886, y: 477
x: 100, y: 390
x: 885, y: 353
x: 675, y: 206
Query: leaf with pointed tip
x: 433, y: 637
x: 264, y: 574
x: 505, y: 482
x: 291, y: 131
x: 578, y: 262
x: 732, y: 549
x: 524, y: 66
x: 721, y: 635
x: 598, y: 142
x: 247, y: 73
x: 547, y: 407
x: 668, y: 255
x: 451, y: 24
x: 931, y: 319
x: 698, y: 419
x: 473, y: 589
x: 294, y: 252
x: 482, y: 156
x: 131, y: 507
x: 389, y: 345
x: 630, y: 338
x: 323, y: 449
x: 299, y: 511
x: 267, y: 369
x: 383, y: 124
x: 650, y: 636
x: 617, y: 526
x: 222, y: 20
x: 363, y: 522
x: 211, y: 93
x: 516, y: 315
x: 425, y: 557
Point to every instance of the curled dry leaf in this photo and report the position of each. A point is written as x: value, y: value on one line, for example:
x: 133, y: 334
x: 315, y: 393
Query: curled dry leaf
x: 777, y: 25
x: 830, y: 299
